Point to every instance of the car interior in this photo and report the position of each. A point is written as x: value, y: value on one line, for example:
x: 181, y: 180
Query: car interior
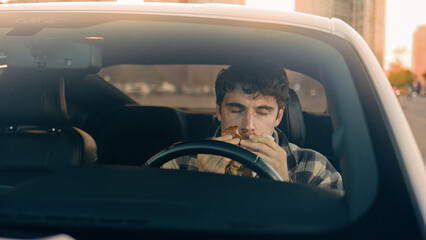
x: 37, y: 135
x: 126, y: 133
x: 74, y: 144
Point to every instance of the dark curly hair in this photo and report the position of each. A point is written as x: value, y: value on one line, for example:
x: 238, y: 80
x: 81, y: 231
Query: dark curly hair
x: 266, y: 80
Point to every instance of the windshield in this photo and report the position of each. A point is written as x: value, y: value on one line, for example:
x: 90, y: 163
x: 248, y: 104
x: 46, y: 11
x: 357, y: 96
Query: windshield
x: 215, y: 110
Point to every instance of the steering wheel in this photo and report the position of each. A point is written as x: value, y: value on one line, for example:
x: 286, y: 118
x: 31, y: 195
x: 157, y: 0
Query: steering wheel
x: 215, y: 147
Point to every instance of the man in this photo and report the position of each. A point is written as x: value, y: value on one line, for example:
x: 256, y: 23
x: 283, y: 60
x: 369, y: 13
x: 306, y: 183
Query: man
x: 253, y: 98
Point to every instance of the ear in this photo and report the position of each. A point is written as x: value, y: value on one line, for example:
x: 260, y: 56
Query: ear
x: 279, y: 117
x: 218, y: 113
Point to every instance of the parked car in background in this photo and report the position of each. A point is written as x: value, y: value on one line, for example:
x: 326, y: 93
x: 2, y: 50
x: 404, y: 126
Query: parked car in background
x: 89, y: 92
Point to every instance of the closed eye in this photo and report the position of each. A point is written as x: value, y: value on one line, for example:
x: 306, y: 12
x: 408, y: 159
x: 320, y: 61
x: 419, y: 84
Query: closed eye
x: 235, y: 107
x: 264, y: 110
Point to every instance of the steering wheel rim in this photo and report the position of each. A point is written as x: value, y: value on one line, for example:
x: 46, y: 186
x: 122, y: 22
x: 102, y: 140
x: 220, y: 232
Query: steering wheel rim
x: 243, y: 156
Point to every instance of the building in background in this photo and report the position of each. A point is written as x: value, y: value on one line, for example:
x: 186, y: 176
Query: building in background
x: 418, y: 61
x: 367, y: 17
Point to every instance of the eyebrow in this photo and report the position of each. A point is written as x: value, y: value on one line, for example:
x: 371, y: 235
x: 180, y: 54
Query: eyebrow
x: 234, y: 104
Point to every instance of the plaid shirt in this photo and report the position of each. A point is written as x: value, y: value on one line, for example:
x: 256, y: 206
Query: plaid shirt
x: 305, y: 166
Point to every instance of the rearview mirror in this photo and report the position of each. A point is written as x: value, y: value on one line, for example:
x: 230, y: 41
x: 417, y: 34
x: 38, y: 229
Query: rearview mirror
x: 54, y: 55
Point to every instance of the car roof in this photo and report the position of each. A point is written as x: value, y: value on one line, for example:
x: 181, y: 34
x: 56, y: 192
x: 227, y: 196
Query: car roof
x: 14, y: 15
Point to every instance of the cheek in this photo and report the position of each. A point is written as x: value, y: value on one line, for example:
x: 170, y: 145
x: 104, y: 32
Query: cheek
x: 230, y: 120
x: 265, y: 125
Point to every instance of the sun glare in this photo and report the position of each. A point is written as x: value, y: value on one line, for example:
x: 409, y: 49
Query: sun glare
x: 402, y: 19
x: 287, y: 5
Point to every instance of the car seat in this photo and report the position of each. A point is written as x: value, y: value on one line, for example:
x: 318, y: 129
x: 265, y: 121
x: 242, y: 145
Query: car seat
x: 33, y: 117
x: 293, y: 123
x: 135, y: 133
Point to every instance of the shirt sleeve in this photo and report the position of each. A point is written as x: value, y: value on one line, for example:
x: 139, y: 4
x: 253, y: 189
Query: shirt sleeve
x: 170, y: 165
x: 189, y: 163
x: 314, y: 169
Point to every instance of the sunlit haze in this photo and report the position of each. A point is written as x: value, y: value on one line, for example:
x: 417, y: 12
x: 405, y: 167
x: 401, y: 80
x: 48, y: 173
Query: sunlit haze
x: 402, y: 18
x: 287, y: 5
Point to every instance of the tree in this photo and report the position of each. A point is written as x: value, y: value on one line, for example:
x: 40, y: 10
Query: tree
x: 398, y: 74
x: 401, y: 78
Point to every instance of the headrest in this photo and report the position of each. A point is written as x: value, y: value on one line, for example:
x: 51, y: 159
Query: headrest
x: 293, y: 123
x: 135, y: 133
x: 32, y: 98
x: 149, y: 121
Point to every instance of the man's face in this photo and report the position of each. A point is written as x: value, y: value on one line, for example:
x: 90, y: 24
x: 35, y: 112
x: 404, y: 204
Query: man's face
x: 252, y: 113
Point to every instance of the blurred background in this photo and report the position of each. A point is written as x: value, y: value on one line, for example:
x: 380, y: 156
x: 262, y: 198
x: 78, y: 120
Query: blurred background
x: 395, y: 30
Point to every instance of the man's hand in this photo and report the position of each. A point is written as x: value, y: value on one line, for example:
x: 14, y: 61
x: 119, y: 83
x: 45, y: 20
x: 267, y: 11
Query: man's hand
x: 214, y: 163
x: 266, y: 148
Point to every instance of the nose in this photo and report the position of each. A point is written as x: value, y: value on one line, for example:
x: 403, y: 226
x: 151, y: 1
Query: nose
x: 248, y: 123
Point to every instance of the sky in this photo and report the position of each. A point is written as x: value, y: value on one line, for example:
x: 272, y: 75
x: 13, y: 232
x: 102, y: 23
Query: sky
x: 402, y: 18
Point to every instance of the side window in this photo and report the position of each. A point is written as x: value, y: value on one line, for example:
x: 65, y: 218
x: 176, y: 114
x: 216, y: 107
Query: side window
x: 310, y: 92
x: 181, y: 86
x: 192, y: 86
